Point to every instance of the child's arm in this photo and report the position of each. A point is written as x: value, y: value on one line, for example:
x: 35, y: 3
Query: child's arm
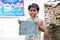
x: 40, y: 24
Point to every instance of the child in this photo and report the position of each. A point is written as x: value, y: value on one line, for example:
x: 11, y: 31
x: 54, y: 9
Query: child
x: 33, y: 10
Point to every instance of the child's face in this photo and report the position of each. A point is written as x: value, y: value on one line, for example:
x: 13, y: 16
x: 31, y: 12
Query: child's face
x: 33, y: 12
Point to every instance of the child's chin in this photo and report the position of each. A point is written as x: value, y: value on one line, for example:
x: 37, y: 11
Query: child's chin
x: 33, y: 17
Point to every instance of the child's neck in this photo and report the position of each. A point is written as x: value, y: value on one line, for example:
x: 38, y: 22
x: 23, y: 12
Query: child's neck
x: 32, y: 18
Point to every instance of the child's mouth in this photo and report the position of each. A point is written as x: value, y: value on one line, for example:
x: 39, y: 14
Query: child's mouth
x: 32, y: 15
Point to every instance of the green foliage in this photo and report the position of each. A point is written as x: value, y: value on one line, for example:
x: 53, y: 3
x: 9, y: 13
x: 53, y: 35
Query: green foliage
x: 54, y: 31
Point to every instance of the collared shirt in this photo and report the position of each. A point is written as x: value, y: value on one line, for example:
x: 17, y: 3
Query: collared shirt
x: 35, y: 19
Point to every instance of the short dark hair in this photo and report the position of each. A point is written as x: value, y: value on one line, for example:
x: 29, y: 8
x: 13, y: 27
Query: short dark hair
x: 33, y: 5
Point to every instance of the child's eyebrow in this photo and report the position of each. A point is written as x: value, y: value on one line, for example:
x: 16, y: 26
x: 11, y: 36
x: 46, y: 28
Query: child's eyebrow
x: 32, y: 10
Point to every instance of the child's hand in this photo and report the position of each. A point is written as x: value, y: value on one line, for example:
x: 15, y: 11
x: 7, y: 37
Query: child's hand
x: 40, y: 24
x: 19, y: 21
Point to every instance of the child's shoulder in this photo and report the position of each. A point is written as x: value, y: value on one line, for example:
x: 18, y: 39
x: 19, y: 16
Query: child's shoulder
x: 38, y: 19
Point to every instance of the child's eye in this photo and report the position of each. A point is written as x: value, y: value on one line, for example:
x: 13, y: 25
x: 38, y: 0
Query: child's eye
x: 34, y: 10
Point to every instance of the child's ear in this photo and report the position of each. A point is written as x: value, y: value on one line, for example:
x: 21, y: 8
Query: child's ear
x: 37, y: 11
x: 28, y: 11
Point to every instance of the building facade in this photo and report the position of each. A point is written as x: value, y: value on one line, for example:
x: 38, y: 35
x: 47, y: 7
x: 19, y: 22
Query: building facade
x: 52, y: 14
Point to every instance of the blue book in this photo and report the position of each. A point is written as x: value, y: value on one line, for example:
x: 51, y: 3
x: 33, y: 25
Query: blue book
x: 28, y: 28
